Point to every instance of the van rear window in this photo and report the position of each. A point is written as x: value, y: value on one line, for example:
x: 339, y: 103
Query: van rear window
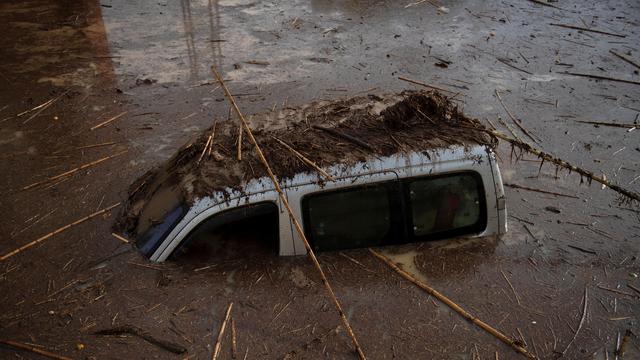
x: 350, y: 218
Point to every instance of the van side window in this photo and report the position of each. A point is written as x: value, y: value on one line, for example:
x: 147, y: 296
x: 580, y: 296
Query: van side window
x: 232, y: 234
x: 446, y: 205
x: 349, y: 218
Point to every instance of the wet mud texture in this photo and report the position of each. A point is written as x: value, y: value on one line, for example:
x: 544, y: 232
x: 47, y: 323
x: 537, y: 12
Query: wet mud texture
x: 152, y: 59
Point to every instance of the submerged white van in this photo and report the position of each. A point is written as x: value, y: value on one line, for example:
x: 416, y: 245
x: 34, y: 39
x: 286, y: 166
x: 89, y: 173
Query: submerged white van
x: 406, y: 197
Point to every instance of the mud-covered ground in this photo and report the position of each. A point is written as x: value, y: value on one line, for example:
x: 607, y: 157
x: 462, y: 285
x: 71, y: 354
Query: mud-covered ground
x: 151, y: 61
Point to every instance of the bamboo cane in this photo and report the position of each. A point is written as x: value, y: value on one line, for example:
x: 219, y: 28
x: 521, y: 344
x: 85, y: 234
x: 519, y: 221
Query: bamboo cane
x: 216, y: 350
x: 72, y: 171
x: 297, y: 225
x: 45, y: 353
x: 559, y: 162
x: 57, y: 231
x: 484, y: 326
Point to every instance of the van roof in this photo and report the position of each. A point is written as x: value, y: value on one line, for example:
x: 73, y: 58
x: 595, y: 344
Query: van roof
x: 329, y: 133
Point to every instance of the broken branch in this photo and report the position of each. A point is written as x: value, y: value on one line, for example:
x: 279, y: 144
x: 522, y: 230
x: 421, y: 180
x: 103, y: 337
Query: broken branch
x: 216, y: 350
x: 513, y: 118
x: 602, y: 123
x: 425, y: 85
x: 132, y: 330
x: 297, y: 225
x: 587, y: 29
x: 45, y: 353
x: 625, y: 58
x: 584, y: 315
x: 57, y: 231
x: 72, y: 171
x: 598, y: 77
x: 559, y: 162
x: 516, y: 186
x: 484, y: 326
x: 108, y: 121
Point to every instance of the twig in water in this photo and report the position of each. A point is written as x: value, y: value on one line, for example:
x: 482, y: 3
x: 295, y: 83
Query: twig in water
x: 515, y: 120
x: 42, y: 107
x: 513, y: 66
x: 132, y: 330
x: 562, y: 163
x: 598, y: 77
x: 584, y: 315
x: 33, y: 349
x: 104, y: 123
x: 626, y: 126
x: 57, y: 231
x: 216, y: 350
x: 484, y: 326
x: 295, y: 221
x: 516, y: 186
x: 425, y: 85
x: 72, y: 171
x: 515, y: 294
x: 625, y: 58
x: 587, y: 29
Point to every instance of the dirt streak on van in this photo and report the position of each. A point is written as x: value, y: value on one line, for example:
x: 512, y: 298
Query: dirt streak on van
x: 406, y: 167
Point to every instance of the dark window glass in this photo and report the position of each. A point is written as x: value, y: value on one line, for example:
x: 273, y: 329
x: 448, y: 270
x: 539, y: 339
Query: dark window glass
x: 446, y: 205
x: 250, y: 230
x: 351, y: 218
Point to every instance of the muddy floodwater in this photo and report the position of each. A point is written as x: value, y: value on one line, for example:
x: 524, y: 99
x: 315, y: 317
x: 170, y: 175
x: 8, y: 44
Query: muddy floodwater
x: 93, y: 94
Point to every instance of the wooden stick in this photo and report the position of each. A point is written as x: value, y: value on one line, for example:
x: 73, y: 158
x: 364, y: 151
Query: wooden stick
x: 516, y: 186
x: 213, y: 135
x: 587, y: 29
x: 425, y: 85
x: 234, y: 340
x: 626, y: 126
x: 584, y: 315
x: 121, y: 238
x: 515, y: 294
x: 297, y: 225
x: 144, y: 335
x: 108, y: 121
x: 515, y: 120
x: 484, y: 326
x: 304, y: 159
x: 45, y: 353
x: 204, y: 149
x: 216, y: 350
x: 344, y: 136
x: 72, y: 171
x: 625, y: 58
x: 57, y: 231
x: 513, y: 66
x: 602, y: 78
x: 545, y: 4
x: 42, y: 107
x: 240, y: 143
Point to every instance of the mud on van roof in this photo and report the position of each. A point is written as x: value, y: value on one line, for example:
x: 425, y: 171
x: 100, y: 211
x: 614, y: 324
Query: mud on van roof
x: 342, y: 132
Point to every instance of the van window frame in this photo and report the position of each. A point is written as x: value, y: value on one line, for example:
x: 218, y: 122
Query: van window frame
x: 401, y: 213
x: 396, y: 218
x: 224, y: 213
x: 479, y: 226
